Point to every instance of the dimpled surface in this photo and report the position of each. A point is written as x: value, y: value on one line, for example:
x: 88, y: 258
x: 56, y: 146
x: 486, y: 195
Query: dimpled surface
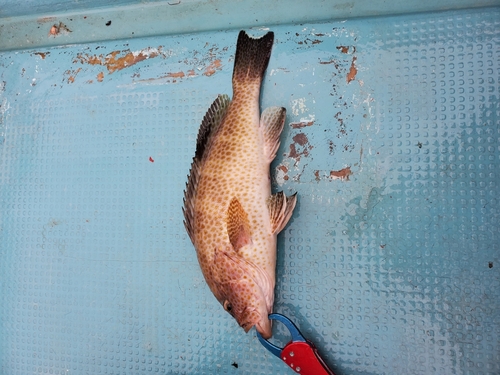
x: 392, y: 269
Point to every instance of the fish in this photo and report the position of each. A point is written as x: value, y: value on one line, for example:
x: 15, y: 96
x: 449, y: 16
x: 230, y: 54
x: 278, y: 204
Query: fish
x: 229, y: 212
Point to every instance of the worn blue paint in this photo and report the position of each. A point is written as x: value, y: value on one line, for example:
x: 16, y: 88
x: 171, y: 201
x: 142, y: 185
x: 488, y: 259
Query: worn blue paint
x: 27, y: 25
x: 393, y: 271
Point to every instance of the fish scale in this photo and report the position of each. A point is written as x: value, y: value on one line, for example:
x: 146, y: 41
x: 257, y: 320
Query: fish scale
x: 230, y: 214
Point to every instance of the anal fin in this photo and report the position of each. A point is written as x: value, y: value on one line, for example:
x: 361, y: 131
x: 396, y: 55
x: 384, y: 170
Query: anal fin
x: 272, y: 120
x: 280, y: 210
x: 238, y: 226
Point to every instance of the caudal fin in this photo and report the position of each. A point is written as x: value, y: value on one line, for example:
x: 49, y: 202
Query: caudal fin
x: 252, y: 56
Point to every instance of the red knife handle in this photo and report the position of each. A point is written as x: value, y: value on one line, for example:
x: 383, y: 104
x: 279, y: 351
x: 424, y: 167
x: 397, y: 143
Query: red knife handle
x: 304, y: 359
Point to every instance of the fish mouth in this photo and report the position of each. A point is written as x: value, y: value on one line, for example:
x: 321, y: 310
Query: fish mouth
x: 262, y: 324
x: 264, y: 327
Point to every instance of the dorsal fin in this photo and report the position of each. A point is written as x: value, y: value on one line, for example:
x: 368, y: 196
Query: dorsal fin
x: 280, y: 210
x: 209, y: 126
x: 272, y: 120
x: 238, y: 226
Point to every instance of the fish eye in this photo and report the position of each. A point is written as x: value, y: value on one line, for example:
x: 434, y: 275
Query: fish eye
x: 227, y: 306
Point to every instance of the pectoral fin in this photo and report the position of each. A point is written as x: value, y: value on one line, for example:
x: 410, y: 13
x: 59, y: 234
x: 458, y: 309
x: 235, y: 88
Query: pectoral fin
x: 238, y: 226
x: 280, y: 209
x: 272, y: 120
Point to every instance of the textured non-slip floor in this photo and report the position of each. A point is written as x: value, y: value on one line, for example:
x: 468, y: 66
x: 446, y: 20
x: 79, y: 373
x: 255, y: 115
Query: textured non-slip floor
x: 390, y: 264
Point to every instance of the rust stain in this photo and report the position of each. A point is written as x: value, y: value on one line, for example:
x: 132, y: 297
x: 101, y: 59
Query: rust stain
x: 346, y: 49
x: 343, y: 49
x: 352, y: 71
x: 301, y: 139
x: 284, y: 169
x: 212, y: 68
x: 342, y: 174
x: 316, y: 175
x: 114, y: 62
x: 191, y: 73
x: 293, y: 152
x: 42, y: 54
x: 299, y: 148
x: 100, y: 77
x: 301, y: 124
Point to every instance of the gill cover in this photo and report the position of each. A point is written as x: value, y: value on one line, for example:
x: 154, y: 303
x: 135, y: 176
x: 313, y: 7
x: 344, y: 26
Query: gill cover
x: 241, y: 288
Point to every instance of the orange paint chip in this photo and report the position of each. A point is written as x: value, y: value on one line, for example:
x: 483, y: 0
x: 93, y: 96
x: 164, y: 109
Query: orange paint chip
x: 353, y: 71
x: 72, y: 74
x: 113, y: 61
x: 100, y: 77
x: 129, y: 59
x: 212, y: 68
x: 42, y: 54
x: 176, y: 75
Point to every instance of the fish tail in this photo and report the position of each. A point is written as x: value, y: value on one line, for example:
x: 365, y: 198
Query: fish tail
x: 252, y: 56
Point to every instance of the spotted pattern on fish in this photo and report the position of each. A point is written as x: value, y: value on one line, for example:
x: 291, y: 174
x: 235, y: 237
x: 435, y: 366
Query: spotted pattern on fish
x: 230, y: 214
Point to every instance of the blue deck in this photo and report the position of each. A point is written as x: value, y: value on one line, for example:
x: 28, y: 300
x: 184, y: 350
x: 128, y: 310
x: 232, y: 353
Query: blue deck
x: 390, y: 264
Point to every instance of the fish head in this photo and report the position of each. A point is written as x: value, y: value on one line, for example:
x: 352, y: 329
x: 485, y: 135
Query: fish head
x: 243, y: 290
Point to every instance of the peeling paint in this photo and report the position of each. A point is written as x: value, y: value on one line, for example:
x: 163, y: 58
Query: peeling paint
x: 114, y: 62
x: 347, y: 49
x: 352, y: 71
x: 41, y: 54
x: 299, y: 148
x: 171, y: 77
x: 176, y: 75
x: 333, y: 61
x: 298, y: 106
x: 301, y: 124
x: 282, y: 173
x: 284, y: 169
x: 212, y: 68
x: 342, y: 174
x: 71, y: 75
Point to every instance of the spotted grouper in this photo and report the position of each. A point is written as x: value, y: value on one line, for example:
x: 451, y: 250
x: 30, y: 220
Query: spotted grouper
x: 229, y: 212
